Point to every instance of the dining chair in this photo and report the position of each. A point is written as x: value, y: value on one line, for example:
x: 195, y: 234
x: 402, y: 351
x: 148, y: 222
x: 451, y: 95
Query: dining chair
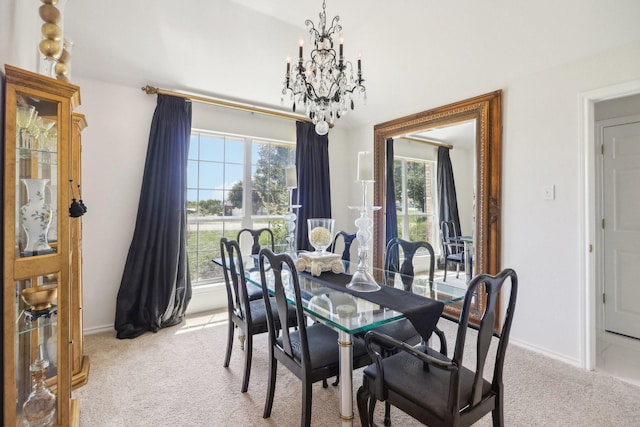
x: 347, y: 240
x: 311, y: 351
x: 254, y: 291
x: 452, y: 250
x: 256, y: 234
x: 247, y: 315
x: 402, y: 330
x: 393, y: 263
x: 434, y: 389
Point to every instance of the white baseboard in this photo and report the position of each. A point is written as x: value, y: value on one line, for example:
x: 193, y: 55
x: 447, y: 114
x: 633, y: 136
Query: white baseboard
x: 546, y: 352
x: 98, y: 329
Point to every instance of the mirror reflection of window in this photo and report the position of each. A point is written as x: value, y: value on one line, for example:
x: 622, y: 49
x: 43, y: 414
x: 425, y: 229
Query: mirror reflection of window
x: 414, y: 181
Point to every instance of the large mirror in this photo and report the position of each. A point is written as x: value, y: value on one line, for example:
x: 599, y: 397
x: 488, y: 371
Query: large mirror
x: 478, y: 177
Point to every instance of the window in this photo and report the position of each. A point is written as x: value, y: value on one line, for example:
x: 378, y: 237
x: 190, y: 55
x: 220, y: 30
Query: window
x: 233, y: 182
x: 414, y: 182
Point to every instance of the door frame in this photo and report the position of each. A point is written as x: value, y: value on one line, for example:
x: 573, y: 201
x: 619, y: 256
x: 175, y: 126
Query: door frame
x: 590, y: 231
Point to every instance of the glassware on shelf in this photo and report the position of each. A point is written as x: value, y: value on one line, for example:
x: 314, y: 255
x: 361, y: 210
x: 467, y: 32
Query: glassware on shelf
x: 320, y: 233
x: 51, y: 140
x: 33, y: 132
x: 40, y: 407
x: 43, y: 129
x: 25, y: 114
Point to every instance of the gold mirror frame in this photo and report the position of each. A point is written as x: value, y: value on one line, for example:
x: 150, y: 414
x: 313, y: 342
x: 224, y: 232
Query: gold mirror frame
x: 487, y: 112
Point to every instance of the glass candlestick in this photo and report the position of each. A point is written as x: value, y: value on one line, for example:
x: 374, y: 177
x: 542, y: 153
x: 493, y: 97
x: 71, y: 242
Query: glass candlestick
x: 290, y: 226
x: 362, y: 280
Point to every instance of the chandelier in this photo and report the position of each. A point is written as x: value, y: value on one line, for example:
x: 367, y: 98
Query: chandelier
x: 324, y: 84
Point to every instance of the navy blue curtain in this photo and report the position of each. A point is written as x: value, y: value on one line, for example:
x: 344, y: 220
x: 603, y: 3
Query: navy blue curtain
x: 156, y: 287
x: 391, y: 216
x: 447, y: 200
x: 314, y: 189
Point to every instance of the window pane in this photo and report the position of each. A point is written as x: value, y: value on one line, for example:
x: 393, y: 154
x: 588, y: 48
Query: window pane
x: 192, y: 195
x: 233, y: 200
x: 201, y: 268
x: 397, y: 185
x: 416, y: 186
x: 417, y: 228
x: 234, y: 151
x: 279, y: 234
x: 270, y: 195
x: 211, y: 175
x: 209, y: 203
x: 232, y: 175
x: 193, y: 147
x: 209, y: 233
x: 192, y: 174
x: 211, y: 148
x: 259, y: 153
x: 418, y: 183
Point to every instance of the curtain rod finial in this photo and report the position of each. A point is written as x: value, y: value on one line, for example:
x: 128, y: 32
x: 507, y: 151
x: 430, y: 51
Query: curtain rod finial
x: 150, y: 90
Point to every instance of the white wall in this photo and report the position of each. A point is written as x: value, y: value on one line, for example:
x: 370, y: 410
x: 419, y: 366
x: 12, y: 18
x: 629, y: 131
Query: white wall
x: 114, y: 147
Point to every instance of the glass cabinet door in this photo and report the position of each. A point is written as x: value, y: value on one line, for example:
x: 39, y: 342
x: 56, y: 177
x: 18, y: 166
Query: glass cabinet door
x: 36, y: 176
x: 36, y: 348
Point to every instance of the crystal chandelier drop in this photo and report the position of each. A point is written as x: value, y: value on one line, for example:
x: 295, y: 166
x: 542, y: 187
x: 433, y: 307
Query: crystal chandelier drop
x: 325, y: 83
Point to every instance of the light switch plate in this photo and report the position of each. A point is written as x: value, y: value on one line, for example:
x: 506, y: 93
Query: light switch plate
x: 549, y: 192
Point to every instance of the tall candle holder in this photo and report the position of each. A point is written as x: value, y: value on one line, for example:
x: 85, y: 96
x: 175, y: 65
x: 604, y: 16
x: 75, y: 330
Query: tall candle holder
x: 362, y: 280
x: 290, y: 225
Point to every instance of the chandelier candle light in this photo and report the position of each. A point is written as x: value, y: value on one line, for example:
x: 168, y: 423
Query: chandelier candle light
x: 324, y: 84
x: 290, y: 217
x: 362, y: 279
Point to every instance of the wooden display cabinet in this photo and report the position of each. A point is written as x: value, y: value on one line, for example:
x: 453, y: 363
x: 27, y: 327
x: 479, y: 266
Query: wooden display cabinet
x: 42, y: 327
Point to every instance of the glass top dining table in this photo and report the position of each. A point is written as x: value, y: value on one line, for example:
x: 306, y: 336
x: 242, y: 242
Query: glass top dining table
x: 350, y: 312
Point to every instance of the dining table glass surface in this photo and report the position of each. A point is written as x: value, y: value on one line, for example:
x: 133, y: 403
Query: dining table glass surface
x: 351, y: 312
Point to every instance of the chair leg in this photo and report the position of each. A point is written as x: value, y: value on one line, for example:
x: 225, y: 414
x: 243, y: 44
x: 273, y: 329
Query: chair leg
x: 227, y: 357
x: 497, y: 414
x: 362, y: 397
x: 268, y: 405
x: 336, y: 382
x: 307, y: 392
x: 372, y: 407
x: 387, y: 414
x: 457, y: 270
x: 248, y: 354
x: 446, y: 263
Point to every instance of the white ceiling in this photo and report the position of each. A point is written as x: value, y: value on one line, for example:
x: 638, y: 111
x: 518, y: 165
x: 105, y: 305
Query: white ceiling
x: 417, y: 54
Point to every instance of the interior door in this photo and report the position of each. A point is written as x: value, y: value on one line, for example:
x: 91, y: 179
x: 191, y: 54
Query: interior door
x: 621, y: 209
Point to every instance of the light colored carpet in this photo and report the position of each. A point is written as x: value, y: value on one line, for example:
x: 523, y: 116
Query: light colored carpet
x: 175, y: 378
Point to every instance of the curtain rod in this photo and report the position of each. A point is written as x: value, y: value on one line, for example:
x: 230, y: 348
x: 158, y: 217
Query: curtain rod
x: 426, y: 141
x: 150, y: 90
